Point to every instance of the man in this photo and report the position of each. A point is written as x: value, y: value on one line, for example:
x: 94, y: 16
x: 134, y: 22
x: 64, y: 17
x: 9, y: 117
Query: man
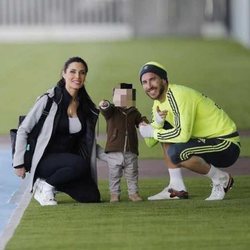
x: 195, y: 134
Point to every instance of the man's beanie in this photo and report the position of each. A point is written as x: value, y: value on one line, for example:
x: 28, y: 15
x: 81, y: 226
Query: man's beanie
x: 155, y: 68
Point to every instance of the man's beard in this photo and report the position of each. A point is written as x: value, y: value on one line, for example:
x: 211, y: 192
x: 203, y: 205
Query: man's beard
x: 161, y: 91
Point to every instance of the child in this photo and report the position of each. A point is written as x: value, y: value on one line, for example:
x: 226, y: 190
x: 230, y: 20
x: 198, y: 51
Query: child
x: 122, y: 142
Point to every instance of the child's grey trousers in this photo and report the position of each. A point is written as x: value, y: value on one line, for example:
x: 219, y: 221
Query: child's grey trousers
x: 118, y: 163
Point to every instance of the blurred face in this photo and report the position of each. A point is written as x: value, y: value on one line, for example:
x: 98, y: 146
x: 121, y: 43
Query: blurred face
x: 74, y: 76
x: 153, y: 85
x: 123, y: 98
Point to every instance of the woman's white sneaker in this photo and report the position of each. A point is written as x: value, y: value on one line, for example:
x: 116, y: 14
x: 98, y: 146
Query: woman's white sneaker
x: 44, y: 193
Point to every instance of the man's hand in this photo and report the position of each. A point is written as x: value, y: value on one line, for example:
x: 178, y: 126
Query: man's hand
x: 146, y: 130
x: 160, y: 116
x: 21, y: 172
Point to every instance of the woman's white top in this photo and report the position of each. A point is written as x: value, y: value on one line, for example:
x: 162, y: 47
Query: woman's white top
x: 74, y: 125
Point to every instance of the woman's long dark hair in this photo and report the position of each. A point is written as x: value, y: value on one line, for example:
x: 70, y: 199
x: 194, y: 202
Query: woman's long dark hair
x: 84, y: 98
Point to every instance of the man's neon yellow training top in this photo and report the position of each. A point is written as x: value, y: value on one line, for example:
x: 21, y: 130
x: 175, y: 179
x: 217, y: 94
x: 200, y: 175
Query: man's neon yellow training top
x: 192, y: 115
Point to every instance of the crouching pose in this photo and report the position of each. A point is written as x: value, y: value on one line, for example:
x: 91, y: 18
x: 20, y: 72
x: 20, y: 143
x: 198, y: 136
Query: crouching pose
x: 62, y: 157
x: 195, y: 134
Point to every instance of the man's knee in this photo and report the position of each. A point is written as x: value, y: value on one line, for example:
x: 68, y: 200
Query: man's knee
x: 173, y: 154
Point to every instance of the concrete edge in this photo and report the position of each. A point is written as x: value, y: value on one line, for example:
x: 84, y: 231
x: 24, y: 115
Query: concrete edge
x: 22, y: 198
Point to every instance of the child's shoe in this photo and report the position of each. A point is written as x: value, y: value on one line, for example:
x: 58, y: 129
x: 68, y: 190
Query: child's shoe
x: 135, y: 197
x: 114, y: 198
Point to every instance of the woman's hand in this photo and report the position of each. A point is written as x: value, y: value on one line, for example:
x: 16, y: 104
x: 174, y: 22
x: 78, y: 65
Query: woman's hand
x: 20, y: 172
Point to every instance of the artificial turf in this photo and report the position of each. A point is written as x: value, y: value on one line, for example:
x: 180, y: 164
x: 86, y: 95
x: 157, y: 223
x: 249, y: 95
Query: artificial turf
x: 176, y: 224
x: 218, y: 68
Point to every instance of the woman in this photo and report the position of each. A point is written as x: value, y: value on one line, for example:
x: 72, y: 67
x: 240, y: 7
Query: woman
x: 62, y: 158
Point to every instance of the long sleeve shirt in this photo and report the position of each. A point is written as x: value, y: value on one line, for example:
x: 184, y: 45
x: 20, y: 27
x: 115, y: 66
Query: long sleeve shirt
x: 190, y: 115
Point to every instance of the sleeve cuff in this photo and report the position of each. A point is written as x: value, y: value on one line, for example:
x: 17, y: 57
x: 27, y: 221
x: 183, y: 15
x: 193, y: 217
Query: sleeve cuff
x: 19, y: 166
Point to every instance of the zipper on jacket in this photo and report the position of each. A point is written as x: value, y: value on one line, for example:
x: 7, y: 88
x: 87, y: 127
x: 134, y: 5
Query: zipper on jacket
x: 126, y: 132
